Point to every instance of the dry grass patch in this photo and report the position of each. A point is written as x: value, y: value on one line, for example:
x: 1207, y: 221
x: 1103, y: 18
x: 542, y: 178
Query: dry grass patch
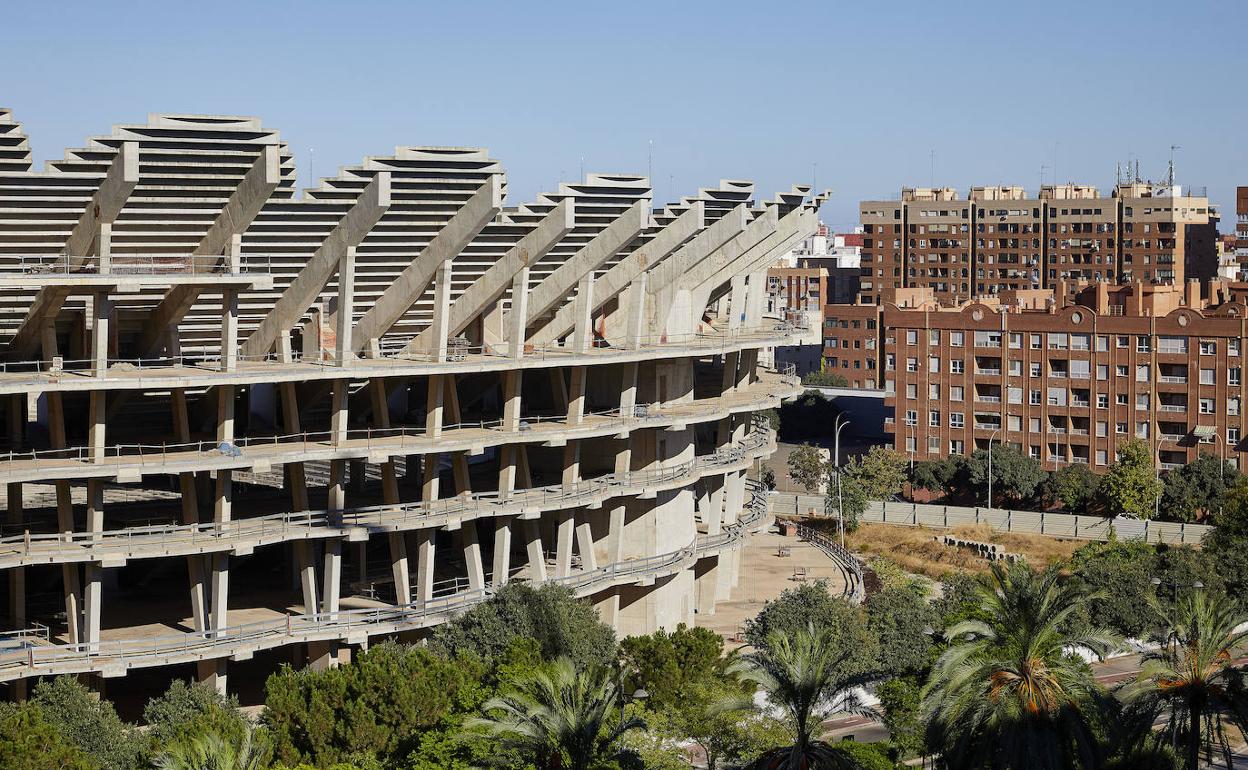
x: 915, y: 549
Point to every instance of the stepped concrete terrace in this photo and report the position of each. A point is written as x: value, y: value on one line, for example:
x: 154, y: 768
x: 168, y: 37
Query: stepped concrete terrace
x: 244, y: 421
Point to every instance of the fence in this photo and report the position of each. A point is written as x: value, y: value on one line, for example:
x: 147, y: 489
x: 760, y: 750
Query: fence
x: 851, y: 568
x: 1006, y: 520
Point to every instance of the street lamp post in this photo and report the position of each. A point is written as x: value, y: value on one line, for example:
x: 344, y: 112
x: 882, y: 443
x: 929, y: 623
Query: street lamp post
x: 836, y: 462
x: 1161, y: 439
x: 990, y: 438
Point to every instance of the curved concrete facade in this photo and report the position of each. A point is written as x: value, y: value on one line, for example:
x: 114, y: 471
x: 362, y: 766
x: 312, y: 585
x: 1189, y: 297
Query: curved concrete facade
x: 242, y: 421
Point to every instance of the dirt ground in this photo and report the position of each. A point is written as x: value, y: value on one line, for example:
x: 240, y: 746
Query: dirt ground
x: 764, y: 575
x: 915, y: 549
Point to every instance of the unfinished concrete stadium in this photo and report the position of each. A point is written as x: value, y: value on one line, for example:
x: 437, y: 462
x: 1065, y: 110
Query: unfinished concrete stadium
x: 245, y: 425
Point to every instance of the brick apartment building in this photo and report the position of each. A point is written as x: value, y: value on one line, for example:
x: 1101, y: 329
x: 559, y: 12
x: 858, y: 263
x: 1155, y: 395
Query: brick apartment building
x: 1241, y: 224
x: 1000, y: 239
x: 1067, y: 381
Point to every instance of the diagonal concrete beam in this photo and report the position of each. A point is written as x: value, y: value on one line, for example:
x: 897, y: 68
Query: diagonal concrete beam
x: 555, y: 288
x: 454, y: 236
x: 236, y: 216
x: 606, y: 288
x: 373, y: 202
x: 671, y: 279
x: 105, y: 205
x: 83, y: 243
x: 490, y: 286
x: 793, y: 227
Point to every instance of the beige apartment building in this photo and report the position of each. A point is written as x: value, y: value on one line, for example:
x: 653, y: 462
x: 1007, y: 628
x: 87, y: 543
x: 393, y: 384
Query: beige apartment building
x: 1066, y: 380
x: 1002, y: 239
x: 246, y: 426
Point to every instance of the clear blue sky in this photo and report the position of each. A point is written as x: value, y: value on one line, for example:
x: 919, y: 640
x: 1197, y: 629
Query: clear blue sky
x: 763, y: 91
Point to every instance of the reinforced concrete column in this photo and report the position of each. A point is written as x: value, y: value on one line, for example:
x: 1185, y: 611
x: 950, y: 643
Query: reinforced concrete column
x: 344, y: 315
x: 101, y: 313
x: 229, y: 330
x: 190, y: 513
x: 533, y: 548
x: 518, y: 319
x: 426, y: 542
x: 93, y: 573
x: 70, y: 577
x: 441, y: 310
x: 565, y: 524
x: 757, y: 299
x: 706, y: 583
x: 507, y: 471
x: 746, y: 373
x: 512, y: 385
x: 16, y: 575
x: 434, y: 401
x: 585, y: 544
x: 576, y: 396
x: 729, y: 383
x: 502, y: 551
x: 628, y: 389
x: 736, y: 302
x: 583, y: 332
x: 399, y: 567
x: 471, y: 546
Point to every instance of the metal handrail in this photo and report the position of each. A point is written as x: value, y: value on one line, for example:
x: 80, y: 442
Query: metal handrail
x: 848, y: 563
x: 303, y: 441
x: 135, y: 264
x: 33, y: 548
x: 341, y: 624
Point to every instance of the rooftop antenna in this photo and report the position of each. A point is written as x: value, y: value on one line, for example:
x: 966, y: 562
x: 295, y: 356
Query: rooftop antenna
x: 1043, y: 167
x: 582, y: 177
x: 650, y: 163
x: 1170, y: 173
x: 932, y: 179
x: 311, y: 166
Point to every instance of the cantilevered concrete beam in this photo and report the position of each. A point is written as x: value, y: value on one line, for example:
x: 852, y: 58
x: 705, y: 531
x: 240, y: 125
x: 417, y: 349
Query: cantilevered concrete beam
x: 105, y: 205
x: 83, y: 243
x: 236, y: 216
x: 793, y: 227
x: 556, y: 287
x: 456, y: 234
x: 616, y: 279
x: 490, y: 286
x: 311, y: 281
x: 673, y: 280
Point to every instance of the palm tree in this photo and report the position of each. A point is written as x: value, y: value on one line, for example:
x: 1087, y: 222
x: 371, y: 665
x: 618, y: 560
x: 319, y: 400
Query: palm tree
x: 1010, y: 692
x: 808, y: 676
x: 212, y: 751
x: 1189, y: 679
x: 560, y: 717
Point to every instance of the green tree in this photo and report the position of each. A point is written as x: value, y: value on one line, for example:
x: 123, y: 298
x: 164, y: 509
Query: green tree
x: 1190, y: 682
x: 1074, y: 487
x: 725, y: 736
x: 562, y: 625
x: 190, y: 709
x: 901, y: 703
x: 812, y: 603
x: 560, y: 717
x: 768, y: 477
x: 807, y: 467
x: 1198, y: 486
x: 961, y: 598
x: 944, y: 476
x: 670, y: 665
x: 846, y: 497
x: 805, y: 675
x: 901, y: 619
x: 214, y: 751
x: 30, y: 742
x: 881, y: 472
x: 379, y: 705
x: 1015, y: 476
x: 1127, y: 567
x: 1008, y: 692
x: 827, y: 379
x: 1130, y: 486
x: 89, y: 722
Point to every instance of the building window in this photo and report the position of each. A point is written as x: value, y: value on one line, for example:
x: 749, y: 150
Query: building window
x: 1102, y: 343
x: 1143, y: 345
x: 1207, y: 377
x: 1035, y: 342
x: 1015, y: 422
x: 912, y: 390
x: 890, y: 362
x: 1124, y: 341
x: 1141, y: 373
x: 1102, y: 371
x: 1232, y: 407
x: 933, y: 445
x: 1232, y: 375
x: 1121, y: 399
x: 1120, y: 428
x: 933, y: 391
x: 956, y: 366
x: 933, y: 419
x: 1141, y: 430
x: 1141, y: 402
x: 933, y: 364
x: 1035, y: 369
x: 1101, y: 457
x: 912, y: 364
x: 1208, y: 348
x: 1232, y: 436
x: 912, y: 418
x: 1102, y: 400
x: 1034, y: 424
x: 1102, y: 428
x: 1034, y: 451
x: 1232, y: 347
x: 955, y: 392
x: 956, y: 339
x: 957, y: 420
x: 1120, y: 370
x: 957, y: 447
x: 1016, y: 368
x: 1035, y: 398
x: 912, y: 337
x: 1206, y: 406
x: 910, y: 444
x: 1016, y: 341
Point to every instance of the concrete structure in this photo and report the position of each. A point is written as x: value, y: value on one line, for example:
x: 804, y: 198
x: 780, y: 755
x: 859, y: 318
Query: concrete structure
x: 244, y: 423
x: 1001, y: 239
x: 1067, y: 381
